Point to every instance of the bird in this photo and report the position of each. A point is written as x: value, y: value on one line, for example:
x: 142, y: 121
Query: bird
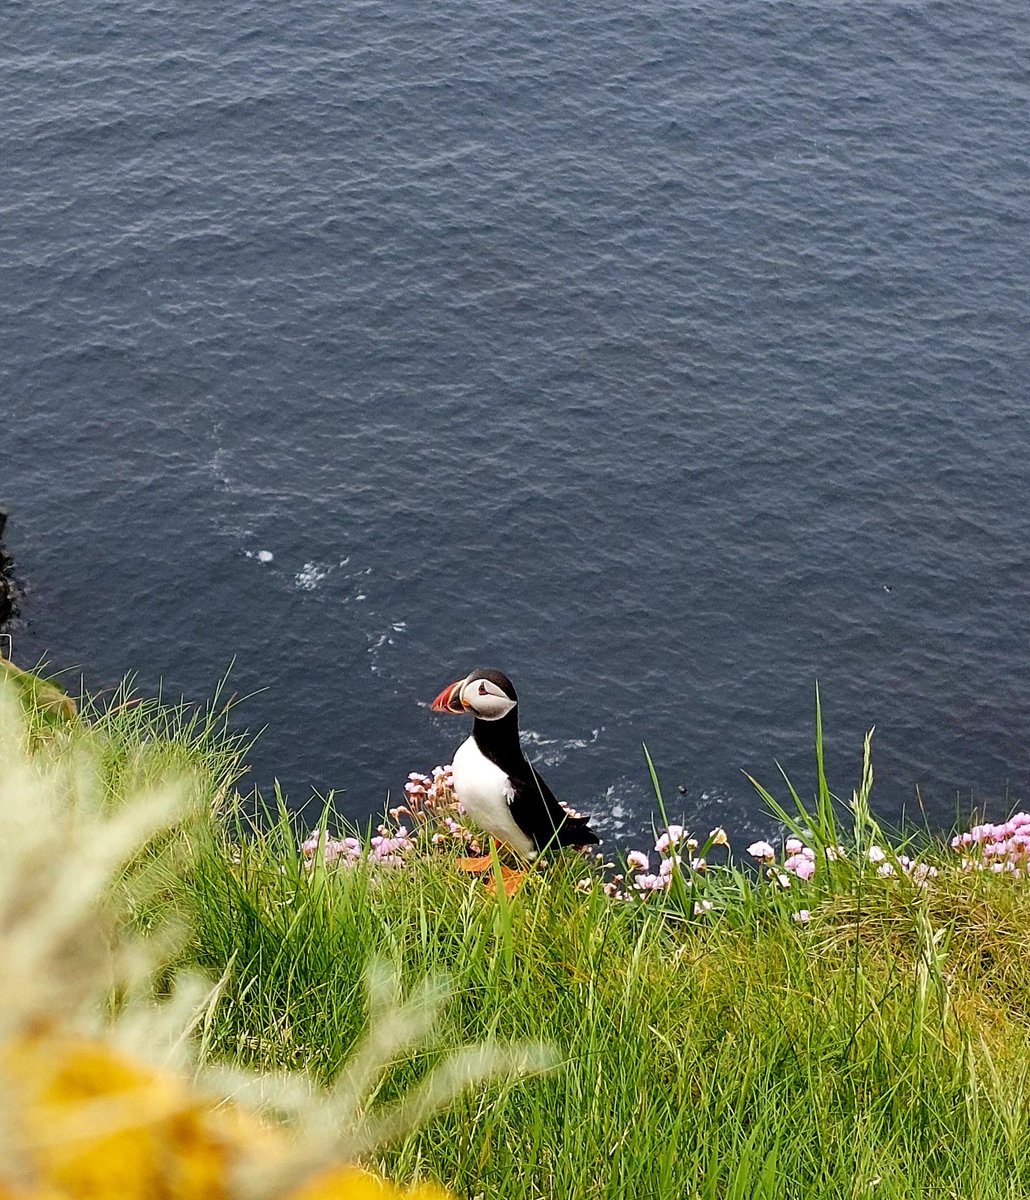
x: 496, y: 785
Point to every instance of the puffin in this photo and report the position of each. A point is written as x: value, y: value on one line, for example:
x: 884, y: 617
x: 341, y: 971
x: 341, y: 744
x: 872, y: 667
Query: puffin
x: 493, y: 780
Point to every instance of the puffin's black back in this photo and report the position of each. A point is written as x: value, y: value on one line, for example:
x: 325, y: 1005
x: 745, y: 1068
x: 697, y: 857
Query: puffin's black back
x: 541, y: 815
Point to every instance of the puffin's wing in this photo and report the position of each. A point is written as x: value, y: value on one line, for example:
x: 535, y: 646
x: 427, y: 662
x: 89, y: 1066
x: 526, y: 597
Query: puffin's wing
x: 542, y: 816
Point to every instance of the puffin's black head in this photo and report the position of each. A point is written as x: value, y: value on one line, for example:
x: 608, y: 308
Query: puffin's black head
x: 486, y: 694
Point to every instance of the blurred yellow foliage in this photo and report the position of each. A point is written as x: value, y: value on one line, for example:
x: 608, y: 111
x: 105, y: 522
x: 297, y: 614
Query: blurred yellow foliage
x: 350, y: 1183
x: 85, y: 1122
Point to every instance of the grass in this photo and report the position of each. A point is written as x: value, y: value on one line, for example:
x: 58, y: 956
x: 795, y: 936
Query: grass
x: 880, y: 1049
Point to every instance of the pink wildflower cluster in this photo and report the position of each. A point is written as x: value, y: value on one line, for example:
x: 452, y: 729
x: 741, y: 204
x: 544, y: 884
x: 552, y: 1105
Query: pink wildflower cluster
x: 800, y: 861
x: 1003, y: 848
x: 388, y: 848
x: 432, y: 813
x: 435, y: 811
x: 675, y: 848
x: 918, y: 872
x: 427, y: 792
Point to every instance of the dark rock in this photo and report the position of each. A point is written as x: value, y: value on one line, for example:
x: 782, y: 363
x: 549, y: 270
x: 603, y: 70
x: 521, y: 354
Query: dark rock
x: 8, y: 593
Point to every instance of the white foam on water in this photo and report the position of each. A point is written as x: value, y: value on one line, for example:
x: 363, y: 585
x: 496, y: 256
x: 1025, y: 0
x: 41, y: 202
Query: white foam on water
x: 313, y: 573
x: 378, y: 641
x: 608, y: 816
x: 310, y: 576
x: 552, y: 751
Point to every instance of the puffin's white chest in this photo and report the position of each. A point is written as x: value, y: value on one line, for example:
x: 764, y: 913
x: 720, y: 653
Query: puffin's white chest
x: 484, y: 791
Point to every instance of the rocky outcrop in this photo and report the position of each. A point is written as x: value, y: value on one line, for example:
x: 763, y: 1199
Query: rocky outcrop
x: 50, y: 703
x: 8, y: 596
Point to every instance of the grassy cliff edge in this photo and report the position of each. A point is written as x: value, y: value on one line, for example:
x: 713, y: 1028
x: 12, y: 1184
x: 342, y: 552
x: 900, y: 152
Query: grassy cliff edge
x: 861, y: 1032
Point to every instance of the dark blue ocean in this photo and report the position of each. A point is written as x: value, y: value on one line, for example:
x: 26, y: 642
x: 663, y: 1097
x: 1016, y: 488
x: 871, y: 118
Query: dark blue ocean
x: 669, y: 356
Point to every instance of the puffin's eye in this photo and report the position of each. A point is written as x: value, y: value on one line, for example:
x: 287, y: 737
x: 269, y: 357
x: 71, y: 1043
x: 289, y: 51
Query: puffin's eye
x: 482, y: 689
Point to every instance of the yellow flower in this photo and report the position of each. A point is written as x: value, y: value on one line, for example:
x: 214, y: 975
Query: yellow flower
x: 91, y: 1124
x: 94, y: 1124
x: 35, y: 1193
x: 350, y: 1183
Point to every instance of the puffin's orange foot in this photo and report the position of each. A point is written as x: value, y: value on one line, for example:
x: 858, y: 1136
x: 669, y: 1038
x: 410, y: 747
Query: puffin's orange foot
x: 511, y: 880
x: 474, y: 866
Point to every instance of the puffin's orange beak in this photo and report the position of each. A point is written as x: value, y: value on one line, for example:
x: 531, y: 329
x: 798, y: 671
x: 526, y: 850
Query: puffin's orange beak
x: 449, y: 699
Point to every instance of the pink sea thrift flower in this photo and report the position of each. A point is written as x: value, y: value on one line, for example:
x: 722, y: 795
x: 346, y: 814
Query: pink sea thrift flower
x: 670, y: 838
x: 649, y: 883
x: 332, y: 848
x: 387, y: 846
x: 761, y: 851
x: 638, y: 859
x: 800, y: 865
x: 793, y: 845
x: 1002, y: 848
